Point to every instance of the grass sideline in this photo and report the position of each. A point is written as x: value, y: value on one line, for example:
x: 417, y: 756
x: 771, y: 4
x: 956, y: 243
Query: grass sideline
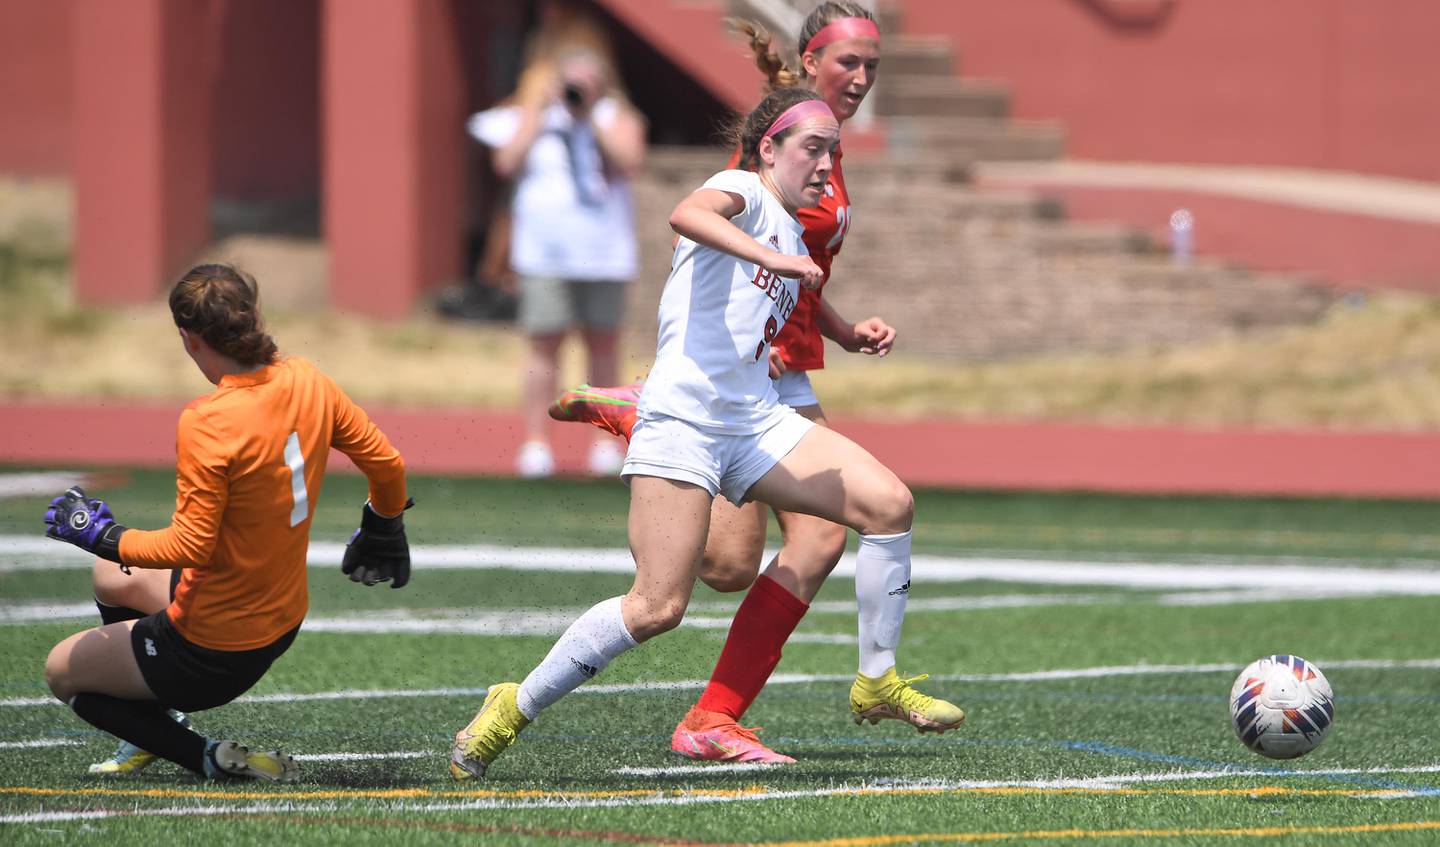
x: 1095, y: 712
x: 1372, y: 363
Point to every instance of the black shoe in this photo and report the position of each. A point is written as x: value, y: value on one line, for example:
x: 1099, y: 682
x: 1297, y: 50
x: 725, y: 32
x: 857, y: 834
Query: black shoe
x: 476, y: 303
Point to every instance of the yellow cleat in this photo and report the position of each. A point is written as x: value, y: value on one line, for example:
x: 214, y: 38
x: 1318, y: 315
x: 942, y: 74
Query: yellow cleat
x: 233, y: 759
x: 892, y: 697
x: 128, y: 759
x: 494, y: 729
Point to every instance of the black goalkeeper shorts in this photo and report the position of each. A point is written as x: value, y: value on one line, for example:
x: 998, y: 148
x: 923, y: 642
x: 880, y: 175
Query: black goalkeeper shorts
x: 189, y: 677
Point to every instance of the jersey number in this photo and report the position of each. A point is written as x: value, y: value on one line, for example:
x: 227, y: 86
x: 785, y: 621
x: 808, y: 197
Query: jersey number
x: 295, y: 463
x: 842, y: 226
x: 772, y: 329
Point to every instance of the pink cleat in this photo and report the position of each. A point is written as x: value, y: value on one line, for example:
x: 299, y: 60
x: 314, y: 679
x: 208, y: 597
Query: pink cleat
x: 712, y: 736
x: 611, y: 409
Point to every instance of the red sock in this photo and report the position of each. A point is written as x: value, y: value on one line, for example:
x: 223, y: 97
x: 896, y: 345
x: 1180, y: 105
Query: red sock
x: 761, y: 627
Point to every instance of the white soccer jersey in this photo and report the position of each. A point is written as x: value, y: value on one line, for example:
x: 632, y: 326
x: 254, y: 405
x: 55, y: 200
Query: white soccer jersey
x: 718, y: 315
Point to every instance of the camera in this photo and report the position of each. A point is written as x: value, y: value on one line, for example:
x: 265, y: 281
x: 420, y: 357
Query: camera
x: 574, y: 95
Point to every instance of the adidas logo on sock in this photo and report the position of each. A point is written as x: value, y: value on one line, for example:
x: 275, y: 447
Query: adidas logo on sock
x: 588, y: 670
x: 904, y: 589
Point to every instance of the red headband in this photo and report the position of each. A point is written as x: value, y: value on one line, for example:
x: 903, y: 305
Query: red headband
x: 803, y: 110
x: 841, y: 29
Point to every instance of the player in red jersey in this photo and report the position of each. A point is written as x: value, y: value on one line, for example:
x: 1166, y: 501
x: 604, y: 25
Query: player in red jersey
x: 839, y: 49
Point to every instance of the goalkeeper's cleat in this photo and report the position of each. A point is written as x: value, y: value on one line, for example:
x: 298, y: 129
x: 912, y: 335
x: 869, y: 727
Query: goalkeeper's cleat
x: 130, y: 759
x: 127, y: 759
x: 234, y: 759
x: 712, y: 736
x: 893, y: 697
x: 493, y: 729
x: 611, y: 409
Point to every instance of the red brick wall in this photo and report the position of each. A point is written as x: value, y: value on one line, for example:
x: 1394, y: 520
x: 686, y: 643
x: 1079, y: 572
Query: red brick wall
x: 35, y: 86
x: 1305, y: 83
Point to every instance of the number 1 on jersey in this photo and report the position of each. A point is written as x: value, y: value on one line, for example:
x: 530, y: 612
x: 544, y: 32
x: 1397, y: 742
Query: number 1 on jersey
x: 295, y: 462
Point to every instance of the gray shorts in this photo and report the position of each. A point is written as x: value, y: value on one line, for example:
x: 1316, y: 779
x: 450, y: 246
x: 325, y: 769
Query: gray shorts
x: 549, y: 305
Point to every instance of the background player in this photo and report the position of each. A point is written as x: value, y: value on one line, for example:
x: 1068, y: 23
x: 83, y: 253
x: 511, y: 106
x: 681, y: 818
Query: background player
x: 710, y: 421
x: 839, y: 49
x: 250, y: 461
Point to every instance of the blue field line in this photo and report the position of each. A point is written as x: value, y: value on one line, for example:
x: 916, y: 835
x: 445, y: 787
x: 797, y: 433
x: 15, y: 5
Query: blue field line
x: 1207, y: 764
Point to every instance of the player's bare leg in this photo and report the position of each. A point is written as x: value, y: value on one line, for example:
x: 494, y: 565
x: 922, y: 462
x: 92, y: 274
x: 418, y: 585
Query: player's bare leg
x: 146, y: 590
x: 602, y: 353
x: 667, y: 525
x: 541, y: 373
x: 831, y: 477
x: 735, y: 545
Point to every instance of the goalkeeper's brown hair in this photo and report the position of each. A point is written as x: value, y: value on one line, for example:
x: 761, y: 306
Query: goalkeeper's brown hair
x: 222, y: 305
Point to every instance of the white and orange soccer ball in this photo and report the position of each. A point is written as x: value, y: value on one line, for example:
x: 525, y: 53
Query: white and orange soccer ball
x: 1281, y: 706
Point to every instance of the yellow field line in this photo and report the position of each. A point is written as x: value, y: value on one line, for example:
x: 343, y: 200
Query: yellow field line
x: 751, y: 791
x: 1236, y: 832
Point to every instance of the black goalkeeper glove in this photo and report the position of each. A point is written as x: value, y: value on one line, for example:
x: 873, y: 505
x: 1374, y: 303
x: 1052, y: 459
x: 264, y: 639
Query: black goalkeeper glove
x: 378, y: 551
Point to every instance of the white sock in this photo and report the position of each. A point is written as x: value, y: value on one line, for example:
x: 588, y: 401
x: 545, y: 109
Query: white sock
x: 882, y: 585
x: 583, y: 651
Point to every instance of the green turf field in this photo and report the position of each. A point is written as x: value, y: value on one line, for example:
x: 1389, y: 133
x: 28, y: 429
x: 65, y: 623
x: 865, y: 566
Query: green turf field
x: 1092, y: 641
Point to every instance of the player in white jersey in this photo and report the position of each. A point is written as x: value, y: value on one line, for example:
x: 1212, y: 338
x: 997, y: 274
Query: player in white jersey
x: 710, y: 421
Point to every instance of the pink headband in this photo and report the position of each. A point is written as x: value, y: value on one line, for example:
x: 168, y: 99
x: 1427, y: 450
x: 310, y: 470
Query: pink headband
x: 841, y: 29
x: 804, y: 110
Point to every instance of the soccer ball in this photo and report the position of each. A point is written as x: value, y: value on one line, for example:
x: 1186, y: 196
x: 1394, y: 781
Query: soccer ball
x: 1281, y: 706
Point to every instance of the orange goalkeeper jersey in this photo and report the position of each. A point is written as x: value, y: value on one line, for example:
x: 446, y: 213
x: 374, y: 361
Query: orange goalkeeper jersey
x: 250, y: 459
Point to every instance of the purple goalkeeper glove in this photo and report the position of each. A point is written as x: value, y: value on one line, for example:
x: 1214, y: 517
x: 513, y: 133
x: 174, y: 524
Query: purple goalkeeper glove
x: 87, y: 524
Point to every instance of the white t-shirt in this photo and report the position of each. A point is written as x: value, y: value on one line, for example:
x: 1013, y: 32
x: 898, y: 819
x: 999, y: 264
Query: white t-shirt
x: 571, y: 220
x: 718, y: 315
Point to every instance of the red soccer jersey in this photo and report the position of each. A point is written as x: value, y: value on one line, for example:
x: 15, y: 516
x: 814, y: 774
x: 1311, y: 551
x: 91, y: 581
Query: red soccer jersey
x: 800, y: 344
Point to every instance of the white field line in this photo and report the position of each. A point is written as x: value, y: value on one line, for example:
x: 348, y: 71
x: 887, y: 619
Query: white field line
x: 792, y: 679
x: 39, y: 742
x: 1102, y: 783
x: 523, y: 621
x: 169, y: 812
x: 821, y: 638
x: 1129, y: 779
x: 47, y: 483
x: 716, y: 768
x: 364, y: 757
x: 27, y: 553
x: 478, y: 622
x: 529, y: 621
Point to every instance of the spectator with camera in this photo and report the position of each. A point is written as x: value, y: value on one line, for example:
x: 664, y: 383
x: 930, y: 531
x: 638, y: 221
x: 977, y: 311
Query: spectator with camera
x: 570, y: 142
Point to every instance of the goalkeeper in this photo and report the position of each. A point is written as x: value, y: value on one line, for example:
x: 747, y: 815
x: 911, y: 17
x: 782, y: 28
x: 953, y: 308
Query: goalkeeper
x: 250, y: 460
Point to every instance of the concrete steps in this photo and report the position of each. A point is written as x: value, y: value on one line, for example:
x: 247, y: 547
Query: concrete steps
x: 970, y: 274
x: 986, y: 139
x: 941, y: 96
x: 918, y: 55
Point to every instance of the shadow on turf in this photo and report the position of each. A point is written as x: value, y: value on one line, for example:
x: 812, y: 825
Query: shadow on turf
x: 372, y: 775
